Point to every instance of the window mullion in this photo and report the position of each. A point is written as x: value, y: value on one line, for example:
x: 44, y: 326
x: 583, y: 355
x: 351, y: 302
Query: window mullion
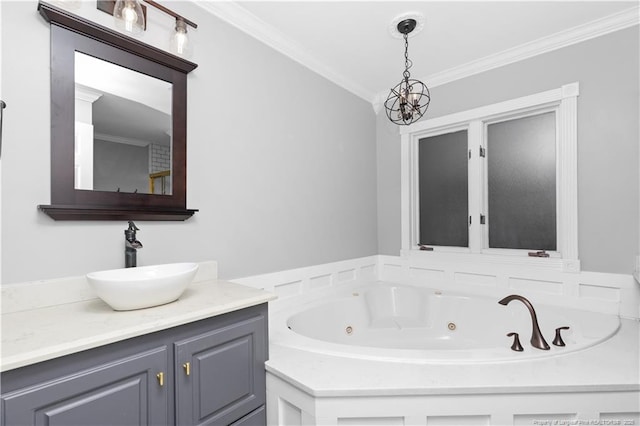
x: 484, y: 188
x: 408, y: 195
x: 567, y: 184
x: 476, y: 185
x: 415, y: 193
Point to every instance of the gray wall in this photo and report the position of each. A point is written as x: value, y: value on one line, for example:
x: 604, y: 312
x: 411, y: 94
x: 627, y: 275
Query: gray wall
x: 282, y: 185
x: 281, y: 164
x: 120, y: 166
x: 608, y: 135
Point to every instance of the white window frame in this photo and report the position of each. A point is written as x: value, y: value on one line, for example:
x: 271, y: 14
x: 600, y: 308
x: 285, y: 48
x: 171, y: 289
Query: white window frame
x: 562, y: 101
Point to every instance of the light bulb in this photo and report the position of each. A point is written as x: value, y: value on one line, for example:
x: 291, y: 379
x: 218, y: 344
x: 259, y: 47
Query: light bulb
x: 414, y: 98
x: 180, y: 40
x: 129, y: 16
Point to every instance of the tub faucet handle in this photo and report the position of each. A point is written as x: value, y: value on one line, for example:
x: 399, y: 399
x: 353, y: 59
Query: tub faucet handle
x: 537, y: 339
x: 516, y: 342
x: 558, y: 339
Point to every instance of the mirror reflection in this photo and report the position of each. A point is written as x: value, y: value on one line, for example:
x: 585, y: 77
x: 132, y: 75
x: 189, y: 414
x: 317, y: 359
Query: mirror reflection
x: 122, y: 129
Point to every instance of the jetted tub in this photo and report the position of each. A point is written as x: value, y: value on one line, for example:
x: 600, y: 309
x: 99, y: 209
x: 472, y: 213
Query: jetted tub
x: 409, y: 324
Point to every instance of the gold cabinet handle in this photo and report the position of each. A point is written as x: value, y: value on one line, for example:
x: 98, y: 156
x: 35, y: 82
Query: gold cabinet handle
x: 187, y: 368
x: 160, y: 377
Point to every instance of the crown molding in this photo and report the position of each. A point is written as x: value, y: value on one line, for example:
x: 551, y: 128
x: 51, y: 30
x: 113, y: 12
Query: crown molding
x: 600, y: 27
x: 255, y: 27
x: 119, y: 139
x: 87, y: 94
x: 239, y: 17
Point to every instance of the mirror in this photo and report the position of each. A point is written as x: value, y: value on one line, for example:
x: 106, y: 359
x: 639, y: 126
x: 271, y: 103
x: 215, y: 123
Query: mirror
x: 122, y: 129
x: 118, y: 125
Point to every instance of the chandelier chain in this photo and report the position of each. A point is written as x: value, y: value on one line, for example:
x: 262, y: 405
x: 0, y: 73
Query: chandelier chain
x: 407, y: 61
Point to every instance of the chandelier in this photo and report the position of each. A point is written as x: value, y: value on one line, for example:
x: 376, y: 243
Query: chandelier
x: 408, y: 100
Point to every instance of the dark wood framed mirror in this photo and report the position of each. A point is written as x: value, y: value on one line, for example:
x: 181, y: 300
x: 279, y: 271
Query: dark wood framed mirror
x: 98, y: 166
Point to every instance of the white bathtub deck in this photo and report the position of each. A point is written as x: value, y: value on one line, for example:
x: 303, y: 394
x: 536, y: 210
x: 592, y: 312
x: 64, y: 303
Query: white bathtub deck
x: 610, y: 366
x: 598, y: 385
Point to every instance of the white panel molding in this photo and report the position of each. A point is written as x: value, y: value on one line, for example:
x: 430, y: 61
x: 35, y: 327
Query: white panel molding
x: 312, y: 281
x: 496, y: 276
x: 552, y: 405
x: 234, y: 14
x: 492, y: 276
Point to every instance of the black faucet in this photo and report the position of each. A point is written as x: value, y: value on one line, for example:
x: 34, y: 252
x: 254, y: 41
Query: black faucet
x: 131, y: 244
x: 537, y: 340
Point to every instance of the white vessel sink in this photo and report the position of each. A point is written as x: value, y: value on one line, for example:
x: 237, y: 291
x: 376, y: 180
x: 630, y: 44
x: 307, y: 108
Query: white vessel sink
x: 136, y: 288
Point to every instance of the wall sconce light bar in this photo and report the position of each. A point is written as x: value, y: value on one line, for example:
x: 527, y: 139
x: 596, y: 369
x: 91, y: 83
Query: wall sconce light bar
x: 108, y: 6
x: 131, y: 16
x: 170, y: 12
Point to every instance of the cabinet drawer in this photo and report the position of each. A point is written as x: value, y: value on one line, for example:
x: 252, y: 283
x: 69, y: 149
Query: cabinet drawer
x: 220, y: 374
x: 123, y: 392
x: 255, y: 418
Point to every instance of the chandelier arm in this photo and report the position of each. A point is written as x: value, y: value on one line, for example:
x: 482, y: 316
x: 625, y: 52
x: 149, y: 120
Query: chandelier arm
x: 393, y: 90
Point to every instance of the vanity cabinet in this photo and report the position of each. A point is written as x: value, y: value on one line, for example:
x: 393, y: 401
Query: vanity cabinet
x: 122, y: 392
x: 218, y: 377
x: 209, y: 372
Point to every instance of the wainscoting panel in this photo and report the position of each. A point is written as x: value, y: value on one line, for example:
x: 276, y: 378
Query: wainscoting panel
x: 600, y: 292
x: 481, y: 408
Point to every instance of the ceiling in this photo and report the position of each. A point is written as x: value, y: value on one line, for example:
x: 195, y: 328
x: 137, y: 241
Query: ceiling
x: 113, y: 121
x: 351, y: 42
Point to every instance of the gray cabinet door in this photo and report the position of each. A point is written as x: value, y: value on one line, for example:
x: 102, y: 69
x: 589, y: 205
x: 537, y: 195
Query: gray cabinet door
x: 226, y: 379
x: 125, y: 392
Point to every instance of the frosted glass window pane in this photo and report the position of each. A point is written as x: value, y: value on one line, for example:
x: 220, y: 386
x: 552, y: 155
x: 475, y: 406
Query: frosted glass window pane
x: 444, y: 192
x: 521, y: 169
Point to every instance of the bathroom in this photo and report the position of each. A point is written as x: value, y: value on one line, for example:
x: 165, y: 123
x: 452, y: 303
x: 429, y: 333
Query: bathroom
x: 282, y: 185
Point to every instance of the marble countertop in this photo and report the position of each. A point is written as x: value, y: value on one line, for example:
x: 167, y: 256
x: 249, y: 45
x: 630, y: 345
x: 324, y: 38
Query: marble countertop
x: 42, y: 333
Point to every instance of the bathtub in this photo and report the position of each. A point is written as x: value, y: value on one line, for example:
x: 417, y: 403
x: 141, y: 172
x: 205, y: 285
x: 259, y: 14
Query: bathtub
x: 391, y: 341
x: 376, y: 353
x: 401, y: 323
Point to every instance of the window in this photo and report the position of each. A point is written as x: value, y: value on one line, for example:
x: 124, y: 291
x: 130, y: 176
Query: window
x: 444, y: 193
x: 497, y: 180
x: 521, y: 183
